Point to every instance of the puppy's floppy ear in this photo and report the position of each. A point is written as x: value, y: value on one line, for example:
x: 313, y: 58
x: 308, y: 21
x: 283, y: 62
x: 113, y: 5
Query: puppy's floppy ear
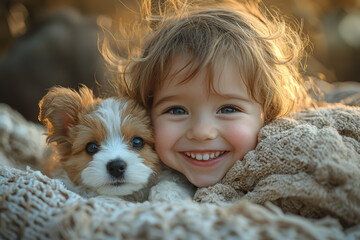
x: 59, y: 110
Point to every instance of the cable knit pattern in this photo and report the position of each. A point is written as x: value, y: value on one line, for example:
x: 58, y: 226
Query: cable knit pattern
x: 22, y: 143
x: 36, y: 207
x: 306, y: 166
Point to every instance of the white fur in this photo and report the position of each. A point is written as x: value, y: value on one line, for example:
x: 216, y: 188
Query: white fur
x: 172, y: 186
x: 110, y: 113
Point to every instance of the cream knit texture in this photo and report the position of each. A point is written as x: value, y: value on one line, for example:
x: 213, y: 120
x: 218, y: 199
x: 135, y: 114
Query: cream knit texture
x: 301, y: 182
x: 308, y: 165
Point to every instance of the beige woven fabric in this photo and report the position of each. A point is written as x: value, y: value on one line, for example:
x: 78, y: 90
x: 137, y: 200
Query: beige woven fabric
x: 36, y: 207
x: 308, y: 165
x: 22, y: 143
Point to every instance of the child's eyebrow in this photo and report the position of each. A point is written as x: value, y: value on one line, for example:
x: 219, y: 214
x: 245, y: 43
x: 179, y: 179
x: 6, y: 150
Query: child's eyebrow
x: 164, y: 99
x: 236, y: 96
x: 228, y: 96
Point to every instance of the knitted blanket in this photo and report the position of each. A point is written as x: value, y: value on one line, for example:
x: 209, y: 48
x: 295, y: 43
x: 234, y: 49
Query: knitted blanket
x: 301, y: 182
x: 308, y: 165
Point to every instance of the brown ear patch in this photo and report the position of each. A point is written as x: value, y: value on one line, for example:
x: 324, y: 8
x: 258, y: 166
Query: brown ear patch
x: 59, y: 111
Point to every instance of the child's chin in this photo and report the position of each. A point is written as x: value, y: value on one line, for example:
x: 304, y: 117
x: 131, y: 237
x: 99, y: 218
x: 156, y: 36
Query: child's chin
x: 123, y: 190
x: 205, y: 180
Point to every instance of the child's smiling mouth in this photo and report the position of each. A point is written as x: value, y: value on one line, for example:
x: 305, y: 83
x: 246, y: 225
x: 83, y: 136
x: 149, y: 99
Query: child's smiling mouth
x: 204, y: 156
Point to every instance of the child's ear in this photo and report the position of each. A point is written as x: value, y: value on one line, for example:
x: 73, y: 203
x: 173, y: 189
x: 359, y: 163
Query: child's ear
x: 59, y: 110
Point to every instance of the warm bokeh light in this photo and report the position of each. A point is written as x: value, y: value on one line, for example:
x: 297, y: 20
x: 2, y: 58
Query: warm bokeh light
x: 349, y: 29
x: 16, y: 19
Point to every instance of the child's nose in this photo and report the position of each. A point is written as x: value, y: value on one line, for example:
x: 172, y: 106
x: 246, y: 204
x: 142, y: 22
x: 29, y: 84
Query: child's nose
x: 201, y: 130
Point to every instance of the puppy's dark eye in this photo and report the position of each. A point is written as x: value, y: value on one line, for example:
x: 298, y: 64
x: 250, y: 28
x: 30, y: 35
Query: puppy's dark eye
x: 137, y: 143
x: 92, y: 148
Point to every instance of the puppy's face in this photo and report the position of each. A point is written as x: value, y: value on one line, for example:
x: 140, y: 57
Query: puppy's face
x: 105, y: 145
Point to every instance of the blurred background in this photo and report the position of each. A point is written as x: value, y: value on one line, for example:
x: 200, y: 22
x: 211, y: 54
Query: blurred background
x: 55, y: 42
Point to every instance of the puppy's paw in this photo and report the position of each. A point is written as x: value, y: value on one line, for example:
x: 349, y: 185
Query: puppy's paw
x: 170, y: 191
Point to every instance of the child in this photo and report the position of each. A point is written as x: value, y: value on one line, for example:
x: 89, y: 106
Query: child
x: 211, y: 75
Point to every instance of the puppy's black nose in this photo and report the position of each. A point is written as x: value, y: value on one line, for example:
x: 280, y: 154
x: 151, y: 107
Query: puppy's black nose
x: 116, y: 168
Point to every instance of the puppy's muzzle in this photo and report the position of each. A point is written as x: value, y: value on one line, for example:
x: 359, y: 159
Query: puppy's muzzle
x: 116, y: 168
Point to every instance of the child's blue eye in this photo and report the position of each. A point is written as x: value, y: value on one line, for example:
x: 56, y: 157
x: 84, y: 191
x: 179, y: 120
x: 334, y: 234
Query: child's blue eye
x: 176, y: 111
x: 228, y: 109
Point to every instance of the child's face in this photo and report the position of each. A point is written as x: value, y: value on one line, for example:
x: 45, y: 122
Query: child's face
x: 201, y: 133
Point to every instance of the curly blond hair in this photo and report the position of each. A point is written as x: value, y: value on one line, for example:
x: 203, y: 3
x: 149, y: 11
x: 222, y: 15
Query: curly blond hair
x: 267, y: 50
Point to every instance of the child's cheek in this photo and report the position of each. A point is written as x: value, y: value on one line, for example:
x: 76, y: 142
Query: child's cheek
x: 165, y: 137
x: 242, y: 137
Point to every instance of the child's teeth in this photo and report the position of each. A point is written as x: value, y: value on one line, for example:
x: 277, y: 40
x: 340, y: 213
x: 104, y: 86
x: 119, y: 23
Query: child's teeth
x: 205, y: 157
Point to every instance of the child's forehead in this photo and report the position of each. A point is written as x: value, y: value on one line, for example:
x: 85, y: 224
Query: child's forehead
x: 221, y: 77
x: 183, y: 67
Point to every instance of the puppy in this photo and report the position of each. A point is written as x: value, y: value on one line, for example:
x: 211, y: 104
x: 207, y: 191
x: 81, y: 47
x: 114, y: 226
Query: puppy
x: 102, y: 146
